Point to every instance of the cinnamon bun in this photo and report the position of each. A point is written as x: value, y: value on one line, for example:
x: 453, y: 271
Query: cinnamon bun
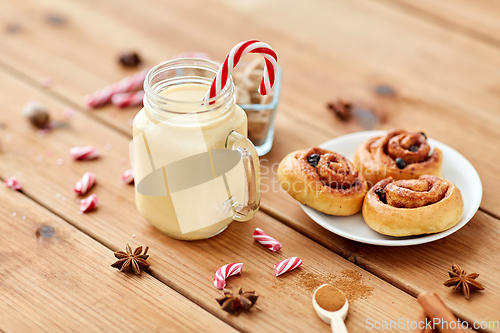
x: 399, y: 154
x: 409, y: 207
x: 323, y: 180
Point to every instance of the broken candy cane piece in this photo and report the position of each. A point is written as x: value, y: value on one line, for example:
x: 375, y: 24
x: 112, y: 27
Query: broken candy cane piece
x: 128, y: 177
x: 266, y: 240
x: 226, y: 271
x: 84, y: 184
x: 13, y: 183
x: 287, y: 265
x: 89, y: 203
x: 84, y: 153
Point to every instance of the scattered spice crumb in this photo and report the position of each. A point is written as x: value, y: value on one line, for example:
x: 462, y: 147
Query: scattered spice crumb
x: 13, y: 28
x: 366, y: 118
x: 129, y: 59
x: 341, y: 109
x: 46, y: 231
x: 385, y: 90
x: 55, y: 19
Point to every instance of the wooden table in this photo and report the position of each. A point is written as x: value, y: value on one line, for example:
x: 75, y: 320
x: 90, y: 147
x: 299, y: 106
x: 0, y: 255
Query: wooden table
x: 442, y: 58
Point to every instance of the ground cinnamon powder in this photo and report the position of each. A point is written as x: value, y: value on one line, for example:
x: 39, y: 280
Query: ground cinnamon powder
x: 330, y: 298
x: 348, y: 282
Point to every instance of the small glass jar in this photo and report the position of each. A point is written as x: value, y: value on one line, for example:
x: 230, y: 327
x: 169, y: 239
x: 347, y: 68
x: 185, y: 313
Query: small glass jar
x: 261, y: 118
x: 195, y: 170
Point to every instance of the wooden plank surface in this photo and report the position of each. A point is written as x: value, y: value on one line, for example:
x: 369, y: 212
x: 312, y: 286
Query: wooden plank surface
x: 367, y: 44
x: 478, y: 18
x: 188, y: 267
x: 54, y: 278
x: 444, y: 79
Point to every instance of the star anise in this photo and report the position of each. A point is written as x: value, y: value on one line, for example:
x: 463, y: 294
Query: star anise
x: 234, y: 304
x: 341, y: 109
x: 460, y: 280
x: 132, y: 261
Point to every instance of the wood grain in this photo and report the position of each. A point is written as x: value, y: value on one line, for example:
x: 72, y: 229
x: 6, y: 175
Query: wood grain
x: 54, y: 278
x: 366, y: 44
x: 188, y: 267
x: 444, y: 79
x: 478, y: 18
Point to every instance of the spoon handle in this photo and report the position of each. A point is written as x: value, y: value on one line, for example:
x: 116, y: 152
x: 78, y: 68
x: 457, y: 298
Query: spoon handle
x: 338, y: 325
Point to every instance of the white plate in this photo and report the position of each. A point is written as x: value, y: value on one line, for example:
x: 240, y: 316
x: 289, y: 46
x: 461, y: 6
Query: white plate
x: 456, y: 168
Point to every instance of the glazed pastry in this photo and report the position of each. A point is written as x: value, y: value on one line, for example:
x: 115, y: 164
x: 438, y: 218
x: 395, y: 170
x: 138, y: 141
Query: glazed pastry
x: 399, y: 154
x: 323, y: 180
x: 409, y: 207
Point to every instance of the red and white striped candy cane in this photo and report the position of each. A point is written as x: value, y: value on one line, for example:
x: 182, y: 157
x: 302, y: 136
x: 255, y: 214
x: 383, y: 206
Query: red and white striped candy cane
x: 128, y: 84
x: 125, y: 100
x: 84, y: 184
x: 13, y: 183
x: 232, y: 59
x: 266, y: 240
x: 226, y: 271
x: 84, y: 153
x: 287, y: 265
x: 128, y: 177
x: 89, y: 203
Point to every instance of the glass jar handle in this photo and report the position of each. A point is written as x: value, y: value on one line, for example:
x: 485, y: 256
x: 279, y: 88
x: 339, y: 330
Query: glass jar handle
x: 250, y: 159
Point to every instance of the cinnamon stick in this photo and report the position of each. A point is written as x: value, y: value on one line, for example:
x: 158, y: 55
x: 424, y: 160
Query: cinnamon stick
x: 424, y: 318
x: 437, y: 311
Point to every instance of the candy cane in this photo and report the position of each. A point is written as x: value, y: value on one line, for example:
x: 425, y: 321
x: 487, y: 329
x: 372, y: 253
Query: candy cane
x: 84, y: 184
x: 128, y: 84
x: 128, y: 177
x: 84, y: 153
x: 232, y: 59
x: 125, y: 100
x: 13, y: 183
x: 226, y: 271
x: 266, y: 240
x: 287, y: 265
x: 89, y: 203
